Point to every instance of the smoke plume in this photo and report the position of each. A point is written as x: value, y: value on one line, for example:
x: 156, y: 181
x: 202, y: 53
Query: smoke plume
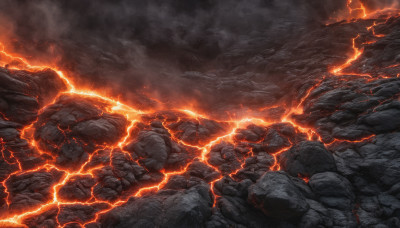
x: 177, y: 52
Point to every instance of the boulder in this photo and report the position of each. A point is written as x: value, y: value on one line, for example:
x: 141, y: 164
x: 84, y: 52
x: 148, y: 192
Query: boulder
x: 168, y: 208
x: 277, y: 196
x: 306, y: 159
x: 333, y: 190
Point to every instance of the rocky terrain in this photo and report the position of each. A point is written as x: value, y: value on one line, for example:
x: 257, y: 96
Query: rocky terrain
x: 324, y: 151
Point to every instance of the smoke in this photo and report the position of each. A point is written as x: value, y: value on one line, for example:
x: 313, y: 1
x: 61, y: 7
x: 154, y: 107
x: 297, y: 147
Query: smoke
x: 381, y: 4
x: 204, y: 27
x: 176, y: 51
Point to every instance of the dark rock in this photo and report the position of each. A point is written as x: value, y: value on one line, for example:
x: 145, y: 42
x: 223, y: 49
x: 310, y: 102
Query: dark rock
x: 122, y: 175
x: 306, y: 159
x: 342, y: 116
x: 389, y: 205
x: 48, y: 218
x: 201, y: 170
x: 330, y: 100
x: 233, y: 205
x: 391, y: 173
x: 342, y: 218
x: 73, y: 127
x: 317, y: 216
x: 225, y: 157
x: 79, y: 213
x: 277, y: 196
x: 77, y: 188
x: 157, y: 151
x: 217, y: 220
x: 351, y: 132
x: 333, y: 190
x: 23, y: 93
x: 169, y: 208
x: 228, y: 187
x: 252, y: 133
x: 31, y: 189
x: 255, y: 166
x: 383, y: 121
x: 197, y: 131
x: 274, y: 142
x: 179, y: 182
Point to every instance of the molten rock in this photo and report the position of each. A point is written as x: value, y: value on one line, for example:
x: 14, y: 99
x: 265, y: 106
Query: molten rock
x: 73, y: 127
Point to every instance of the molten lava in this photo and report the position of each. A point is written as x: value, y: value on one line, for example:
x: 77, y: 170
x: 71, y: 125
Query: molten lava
x: 134, y: 117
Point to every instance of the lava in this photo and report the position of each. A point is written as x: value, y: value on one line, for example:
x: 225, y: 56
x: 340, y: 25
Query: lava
x: 134, y: 116
x: 357, y: 53
x: 358, y: 7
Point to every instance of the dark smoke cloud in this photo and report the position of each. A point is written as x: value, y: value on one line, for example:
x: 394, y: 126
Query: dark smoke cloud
x: 137, y: 48
x: 381, y: 4
x: 204, y: 27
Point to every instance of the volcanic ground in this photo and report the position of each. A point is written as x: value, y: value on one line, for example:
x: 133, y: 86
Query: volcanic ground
x: 325, y: 154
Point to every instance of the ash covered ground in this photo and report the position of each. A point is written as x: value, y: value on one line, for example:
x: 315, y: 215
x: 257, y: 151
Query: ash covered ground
x: 294, y: 125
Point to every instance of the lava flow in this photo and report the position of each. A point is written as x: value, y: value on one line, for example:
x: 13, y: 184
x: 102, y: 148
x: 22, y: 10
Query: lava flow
x: 133, y: 116
x: 73, y: 156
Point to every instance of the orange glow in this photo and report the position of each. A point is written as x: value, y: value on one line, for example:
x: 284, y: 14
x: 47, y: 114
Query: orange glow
x: 393, y: 66
x: 351, y: 141
x: 304, y: 178
x: 356, y: 54
x: 359, y: 8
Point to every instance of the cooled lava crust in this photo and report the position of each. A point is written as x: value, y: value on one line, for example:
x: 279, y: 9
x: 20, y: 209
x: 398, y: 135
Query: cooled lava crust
x: 328, y: 158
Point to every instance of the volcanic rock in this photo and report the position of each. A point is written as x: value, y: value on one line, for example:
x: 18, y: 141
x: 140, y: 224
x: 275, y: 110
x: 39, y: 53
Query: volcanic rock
x: 233, y: 205
x: 226, y: 157
x: 23, y: 93
x: 277, y: 196
x: 77, y: 188
x: 157, y: 151
x: 122, y: 175
x: 197, y: 131
x: 255, y: 166
x: 306, y: 159
x: 177, y: 168
x: 332, y: 189
x: 316, y: 216
x: 168, y: 208
x: 383, y: 121
x: 252, y: 133
x: 73, y: 127
x: 31, y: 189
x: 79, y: 213
x: 201, y: 170
x: 44, y: 219
x: 274, y: 142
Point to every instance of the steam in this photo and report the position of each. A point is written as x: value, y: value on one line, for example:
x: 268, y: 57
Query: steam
x: 179, y: 52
